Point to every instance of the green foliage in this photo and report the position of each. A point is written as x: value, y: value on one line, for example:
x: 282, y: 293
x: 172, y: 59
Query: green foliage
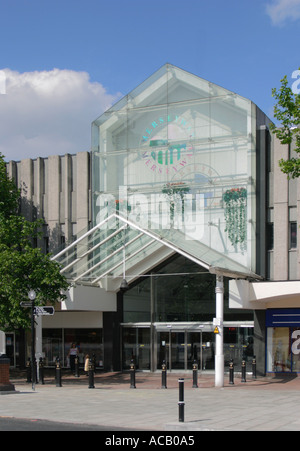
x: 235, y: 204
x: 22, y: 267
x: 287, y: 111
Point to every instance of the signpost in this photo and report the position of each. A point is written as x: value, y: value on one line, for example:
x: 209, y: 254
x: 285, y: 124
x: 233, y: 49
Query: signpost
x: 35, y: 311
x: 32, y: 296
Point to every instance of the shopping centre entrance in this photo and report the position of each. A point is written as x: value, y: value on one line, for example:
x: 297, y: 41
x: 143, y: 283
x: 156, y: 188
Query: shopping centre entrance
x: 180, y: 345
x: 180, y: 348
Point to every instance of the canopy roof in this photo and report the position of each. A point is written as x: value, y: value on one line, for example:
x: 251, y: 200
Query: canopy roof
x: 116, y: 247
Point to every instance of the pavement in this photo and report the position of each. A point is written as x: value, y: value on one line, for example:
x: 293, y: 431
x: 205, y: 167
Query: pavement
x: 264, y: 404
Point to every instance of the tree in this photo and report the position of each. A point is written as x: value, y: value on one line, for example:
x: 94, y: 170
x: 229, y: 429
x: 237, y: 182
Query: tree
x: 287, y: 111
x: 22, y: 266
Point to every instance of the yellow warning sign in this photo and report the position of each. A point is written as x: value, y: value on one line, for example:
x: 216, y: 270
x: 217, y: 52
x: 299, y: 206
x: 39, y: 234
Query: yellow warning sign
x: 216, y: 330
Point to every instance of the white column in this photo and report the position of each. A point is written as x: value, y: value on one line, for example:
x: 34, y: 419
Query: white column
x: 219, y: 355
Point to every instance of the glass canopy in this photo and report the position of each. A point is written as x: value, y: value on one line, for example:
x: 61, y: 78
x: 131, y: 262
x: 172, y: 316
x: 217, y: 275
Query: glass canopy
x: 115, y: 246
x: 173, y: 165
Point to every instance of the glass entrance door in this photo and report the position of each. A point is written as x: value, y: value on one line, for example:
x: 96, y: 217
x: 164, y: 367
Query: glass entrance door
x: 194, y: 349
x: 179, y: 349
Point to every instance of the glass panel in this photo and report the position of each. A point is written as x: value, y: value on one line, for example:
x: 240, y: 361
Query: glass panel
x: 194, y: 343
x: 136, y: 347
x: 183, y: 297
x: 293, y: 235
x: 10, y: 348
x: 178, y: 349
x: 52, y: 345
x: 89, y: 343
x: 238, y: 345
x: 295, y: 341
x: 163, y: 348
x: 136, y: 303
x: 129, y: 349
x: 279, y: 349
x: 208, y: 351
x: 143, y: 349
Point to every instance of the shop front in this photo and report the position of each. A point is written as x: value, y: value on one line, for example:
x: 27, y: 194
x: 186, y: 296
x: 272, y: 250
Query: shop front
x: 179, y: 346
x: 283, y: 340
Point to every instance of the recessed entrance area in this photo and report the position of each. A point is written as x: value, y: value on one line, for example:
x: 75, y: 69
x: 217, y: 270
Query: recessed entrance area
x: 180, y: 345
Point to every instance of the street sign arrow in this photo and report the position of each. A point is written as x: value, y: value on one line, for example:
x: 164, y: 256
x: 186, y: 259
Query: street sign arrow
x: 25, y: 304
x: 38, y: 311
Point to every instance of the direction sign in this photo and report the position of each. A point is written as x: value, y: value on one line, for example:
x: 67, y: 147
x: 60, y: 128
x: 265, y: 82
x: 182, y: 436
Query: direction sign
x: 38, y: 311
x: 25, y: 304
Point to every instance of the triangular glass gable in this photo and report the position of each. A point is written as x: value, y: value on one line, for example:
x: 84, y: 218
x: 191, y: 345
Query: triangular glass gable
x: 177, y: 157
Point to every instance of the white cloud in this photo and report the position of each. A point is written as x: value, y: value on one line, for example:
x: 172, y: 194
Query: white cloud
x: 281, y: 11
x: 49, y: 112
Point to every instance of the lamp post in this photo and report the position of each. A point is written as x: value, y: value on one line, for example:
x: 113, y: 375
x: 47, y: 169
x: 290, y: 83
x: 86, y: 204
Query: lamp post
x: 32, y: 296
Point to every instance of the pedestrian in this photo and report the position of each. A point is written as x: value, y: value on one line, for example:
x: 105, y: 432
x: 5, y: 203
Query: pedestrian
x: 73, y: 352
x: 86, y: 364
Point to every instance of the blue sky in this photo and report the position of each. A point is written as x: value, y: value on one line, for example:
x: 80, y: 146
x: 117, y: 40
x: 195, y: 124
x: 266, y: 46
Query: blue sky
x: 65, y: 62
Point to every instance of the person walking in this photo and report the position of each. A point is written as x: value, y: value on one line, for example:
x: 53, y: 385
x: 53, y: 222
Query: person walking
x: 73, y: 352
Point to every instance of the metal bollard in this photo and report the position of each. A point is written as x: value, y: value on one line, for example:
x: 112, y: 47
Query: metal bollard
x: 94, y: 363
x: 91, y: 374
x: 58, y: 373
x: 164, y: 375
x: 36, y: 371
x: 243, y: 371
x: 181, y: 400
x: 254, y: 367
x: 132, y: 375
x: 77, y: 366
x: 195, y: 374
x: 28, y: 368
x: 41, y: 371
x: 231, y: 372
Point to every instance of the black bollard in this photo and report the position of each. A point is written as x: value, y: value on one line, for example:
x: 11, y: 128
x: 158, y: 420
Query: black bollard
x: 91, y: 374
x: 28, y: 369
x: 243, y: 371
x: 94, y: 363
x: 195, y: 374
x: 231, y: 372
x: 77, y: 366
x: 132, y: 375
x: 164, y: 375
x: 58, y: 373
x: 181, y: 400
x: 41, y: 371
x: 254, y: 367
x: 36, y: 371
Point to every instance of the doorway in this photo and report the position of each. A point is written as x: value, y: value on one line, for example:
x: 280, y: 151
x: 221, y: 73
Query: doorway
x: 180, y: 348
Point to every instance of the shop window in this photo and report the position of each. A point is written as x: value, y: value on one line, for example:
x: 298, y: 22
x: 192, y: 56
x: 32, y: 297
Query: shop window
x: 57, y: 342
x: 293, y: 235
x: 283, y: 350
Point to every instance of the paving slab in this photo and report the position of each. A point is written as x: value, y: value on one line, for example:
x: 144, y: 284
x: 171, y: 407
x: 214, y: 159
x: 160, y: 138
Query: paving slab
x: 267, y: 403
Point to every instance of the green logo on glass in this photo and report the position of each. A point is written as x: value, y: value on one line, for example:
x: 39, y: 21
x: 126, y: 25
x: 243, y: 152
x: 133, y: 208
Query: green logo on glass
x: 168, y: 139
